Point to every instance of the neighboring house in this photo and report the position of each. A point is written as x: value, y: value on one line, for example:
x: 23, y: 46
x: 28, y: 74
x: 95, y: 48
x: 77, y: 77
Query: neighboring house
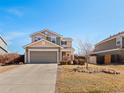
x: 110, y: 50
x: 47, y: 46
x: 3, y: 46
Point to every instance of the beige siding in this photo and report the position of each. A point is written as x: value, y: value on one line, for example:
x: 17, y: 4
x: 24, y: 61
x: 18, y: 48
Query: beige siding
x: 3, y: 46
x: 2, y: 51
x: 37, y: 35
x: 69, y: 44
x: 93, y: 59
x: 50, y: 33
x: 111, y: 44
x: 26, y: 54
x: 42, y: 44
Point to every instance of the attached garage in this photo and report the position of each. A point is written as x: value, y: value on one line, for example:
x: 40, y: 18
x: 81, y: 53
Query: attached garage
x: 43, y: 55
x: 42, y: 51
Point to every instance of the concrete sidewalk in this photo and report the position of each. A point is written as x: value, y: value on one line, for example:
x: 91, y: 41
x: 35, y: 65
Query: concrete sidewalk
x: 29, y: 78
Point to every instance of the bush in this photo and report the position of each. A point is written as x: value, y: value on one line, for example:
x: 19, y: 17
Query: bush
x: 11, y: 58
x: 75, y: 62
x: 79, y: 60
x: 65, y: 63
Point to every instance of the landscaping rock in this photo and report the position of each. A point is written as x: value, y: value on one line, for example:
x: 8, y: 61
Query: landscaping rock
x: 95, y: 70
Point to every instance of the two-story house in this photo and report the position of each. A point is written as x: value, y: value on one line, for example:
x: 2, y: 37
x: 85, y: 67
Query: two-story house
x: 3, y: 46
x: 110, y: 50
x: 47, y: 46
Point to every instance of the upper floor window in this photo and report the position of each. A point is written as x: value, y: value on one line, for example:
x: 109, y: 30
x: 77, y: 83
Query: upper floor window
x: 118, y: 41
x: 38, y: 38
x: 63, y: 42
x: 46, y: 32
x: 53, y: 39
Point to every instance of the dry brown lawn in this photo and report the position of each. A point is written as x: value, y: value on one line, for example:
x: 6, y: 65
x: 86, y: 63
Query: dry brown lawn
x: 7, y: 68
x: 79, y: 82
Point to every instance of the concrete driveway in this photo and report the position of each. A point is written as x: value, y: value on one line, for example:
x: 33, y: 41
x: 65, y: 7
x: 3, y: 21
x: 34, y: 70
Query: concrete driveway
x: 29, y: 78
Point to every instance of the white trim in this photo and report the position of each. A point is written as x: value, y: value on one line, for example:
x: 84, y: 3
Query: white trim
x: 28, y: 56
x: 53, y: 37
x: 56, y: 50
x: 119, y: 39
x: 43, y: 49
x: 57, y: 56
x: 25, y: 56
x: 107, y: 50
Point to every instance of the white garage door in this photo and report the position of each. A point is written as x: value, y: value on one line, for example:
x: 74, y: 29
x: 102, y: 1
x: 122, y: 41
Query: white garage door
x: 43, y: 56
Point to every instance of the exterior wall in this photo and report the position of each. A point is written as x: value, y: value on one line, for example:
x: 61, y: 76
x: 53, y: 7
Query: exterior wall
x: 120, y: 53
x: 122, y: 42
x: 37, y: 34
x: 69, y: 44
x: 67, y: 54
x: 111, y: 44
x: 3, y: 46
x: 26, y: 55
x: 58, y: 39
x: 2, y: 51
x: 47, y: 45
x: 50, y: 33
x: 93, y: 59
x: 43, y: 44
x: 47, y: 37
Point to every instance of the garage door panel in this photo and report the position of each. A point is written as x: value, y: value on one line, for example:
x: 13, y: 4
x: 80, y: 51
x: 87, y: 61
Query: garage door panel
x: 43, y: 56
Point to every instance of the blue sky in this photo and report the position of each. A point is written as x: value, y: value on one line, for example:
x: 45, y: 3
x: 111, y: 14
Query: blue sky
x: 91, y: 20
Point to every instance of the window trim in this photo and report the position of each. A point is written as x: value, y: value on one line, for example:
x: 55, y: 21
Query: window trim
x: 53, y: 38
x: 119, y: 39
x: 38, y: 38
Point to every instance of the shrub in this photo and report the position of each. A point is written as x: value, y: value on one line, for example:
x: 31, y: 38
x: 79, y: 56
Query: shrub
x: 11, y: 58
x: 65, y: 63
x: 79, y: 60
x: 75, y: 62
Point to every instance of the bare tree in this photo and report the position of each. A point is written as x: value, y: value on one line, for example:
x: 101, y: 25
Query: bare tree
x: 84, y: 49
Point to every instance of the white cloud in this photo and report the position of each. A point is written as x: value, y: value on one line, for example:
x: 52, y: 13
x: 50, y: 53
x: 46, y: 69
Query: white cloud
x: 15, y: 11
x: 11, y: 37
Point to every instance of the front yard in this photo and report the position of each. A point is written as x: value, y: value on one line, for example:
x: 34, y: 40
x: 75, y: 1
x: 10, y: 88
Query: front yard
x: 79, y: 82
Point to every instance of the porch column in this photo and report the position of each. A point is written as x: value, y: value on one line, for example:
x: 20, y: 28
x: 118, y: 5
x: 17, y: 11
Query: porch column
x: 72, y: 54
x: 60, y: 55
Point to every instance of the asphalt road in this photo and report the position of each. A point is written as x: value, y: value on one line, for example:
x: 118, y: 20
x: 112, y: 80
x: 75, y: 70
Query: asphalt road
x: 29, y: 78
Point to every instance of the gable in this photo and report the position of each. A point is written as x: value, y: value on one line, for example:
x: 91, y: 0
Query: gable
x: 42, y: 43
x: 38, y: 34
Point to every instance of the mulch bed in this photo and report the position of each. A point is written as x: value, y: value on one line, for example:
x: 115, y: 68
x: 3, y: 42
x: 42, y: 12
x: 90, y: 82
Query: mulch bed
x: 95, y: 70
